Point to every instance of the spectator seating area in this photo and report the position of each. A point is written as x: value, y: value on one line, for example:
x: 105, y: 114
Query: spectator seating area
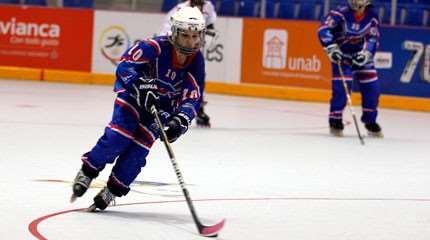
x: 409, y: 12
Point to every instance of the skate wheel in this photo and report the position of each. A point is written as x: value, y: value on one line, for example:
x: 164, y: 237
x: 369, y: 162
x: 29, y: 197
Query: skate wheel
x: 73, y: 198
x: 92, y: 208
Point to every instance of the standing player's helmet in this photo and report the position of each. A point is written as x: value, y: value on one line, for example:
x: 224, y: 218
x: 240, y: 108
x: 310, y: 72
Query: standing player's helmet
x: 197, y: 3
x: 358, y: 4
x: 187, y: 19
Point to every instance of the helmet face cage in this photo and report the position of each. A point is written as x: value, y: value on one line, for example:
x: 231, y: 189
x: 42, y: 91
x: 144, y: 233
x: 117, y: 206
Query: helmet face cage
x: 183, y: 21
x: 358, y: 4
x: 174, y: 39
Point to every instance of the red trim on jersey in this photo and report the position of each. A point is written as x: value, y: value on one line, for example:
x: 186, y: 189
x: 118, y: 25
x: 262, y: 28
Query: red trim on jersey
x: 176, y: 63
x: 126, y: 105
x: 193, y: 81
x: 155, y: 45
x: 358, y: 17
x: 142, y: 143
x: 146, y: 132
x: 131, y: 59
x: 121, y: 131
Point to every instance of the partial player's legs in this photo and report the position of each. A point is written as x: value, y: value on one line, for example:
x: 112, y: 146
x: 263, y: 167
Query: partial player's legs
x: 370, y: 91
x: 338, y: 99
x: 124, y: 172
x: 202, y: 119
x: 115, y: 140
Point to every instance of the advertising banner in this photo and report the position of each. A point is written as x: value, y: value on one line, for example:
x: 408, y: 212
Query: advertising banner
x: 115, y: 32
x: 284, y: 53
x: 404, y: 69
x: 46, y: 37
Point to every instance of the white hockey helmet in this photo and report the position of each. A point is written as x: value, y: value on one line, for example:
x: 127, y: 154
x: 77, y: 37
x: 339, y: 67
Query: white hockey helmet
x: 358, y: 4
x: 187, y: 19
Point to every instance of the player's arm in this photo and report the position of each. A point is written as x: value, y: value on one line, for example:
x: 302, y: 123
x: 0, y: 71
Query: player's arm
x: 372, y: 37
x: 193, y: 88
x: 210, y: 21
x: 133, y: 73
x: 331, y: 23
x: 166, y: 27
x: 190, y: 100
x: 135, y: 62
x: 326, y: 33
x: 371, y: 43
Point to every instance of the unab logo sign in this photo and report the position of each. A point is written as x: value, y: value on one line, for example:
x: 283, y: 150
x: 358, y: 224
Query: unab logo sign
x: 275, y: 47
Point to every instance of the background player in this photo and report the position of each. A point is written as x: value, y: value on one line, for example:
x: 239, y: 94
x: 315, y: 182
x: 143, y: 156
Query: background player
x: 350, y: 35
x: 209, y: 14
x: 164, y: 71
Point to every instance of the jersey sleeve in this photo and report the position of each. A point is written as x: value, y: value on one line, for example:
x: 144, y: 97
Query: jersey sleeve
x: 331, y: 23
x: 193, y: 86
x: 167, y: 26
x: 211, y: 14
x: 135, y: 63
x: 372, y: 37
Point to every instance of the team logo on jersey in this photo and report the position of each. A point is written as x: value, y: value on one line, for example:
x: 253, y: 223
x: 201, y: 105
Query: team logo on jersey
x: 113, y: 42
x: 275, y: 48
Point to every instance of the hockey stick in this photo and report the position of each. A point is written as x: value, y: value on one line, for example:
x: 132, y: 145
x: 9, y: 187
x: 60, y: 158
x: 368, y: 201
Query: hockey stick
x: 345, y: 86
x: 206, y: 231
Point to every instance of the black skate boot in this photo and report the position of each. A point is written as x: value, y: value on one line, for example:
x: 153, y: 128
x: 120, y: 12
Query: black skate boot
x: 374, y: 130
x: 202, y: 119
x: 80, y: 185
x: 336, y: 128
x: 102, y: 200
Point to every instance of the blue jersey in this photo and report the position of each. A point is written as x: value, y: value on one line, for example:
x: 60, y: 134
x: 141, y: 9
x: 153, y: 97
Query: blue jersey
x: 179, y: 86
x: 352, y: 34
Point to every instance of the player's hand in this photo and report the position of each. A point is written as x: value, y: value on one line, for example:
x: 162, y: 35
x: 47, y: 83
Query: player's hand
x: 146, y: 93
x: 334, y: 53
x: 362, y: 58
x: 176, y: 126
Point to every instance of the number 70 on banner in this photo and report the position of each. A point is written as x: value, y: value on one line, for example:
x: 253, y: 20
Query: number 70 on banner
x: 418, y: 50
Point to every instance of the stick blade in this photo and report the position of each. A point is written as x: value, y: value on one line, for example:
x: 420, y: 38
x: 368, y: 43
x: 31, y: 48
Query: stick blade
x: 211, y: 231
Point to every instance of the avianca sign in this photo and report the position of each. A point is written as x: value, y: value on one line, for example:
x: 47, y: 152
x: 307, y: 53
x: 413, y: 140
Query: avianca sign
x: 30, y: 29
x: 46, y: 37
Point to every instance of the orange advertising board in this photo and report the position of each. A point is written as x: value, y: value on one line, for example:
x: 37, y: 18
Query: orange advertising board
x: 284, y: 53
x: 40, y: 37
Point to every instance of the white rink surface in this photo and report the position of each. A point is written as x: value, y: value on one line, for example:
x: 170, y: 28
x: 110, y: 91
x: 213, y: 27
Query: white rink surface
x: 269, y: 167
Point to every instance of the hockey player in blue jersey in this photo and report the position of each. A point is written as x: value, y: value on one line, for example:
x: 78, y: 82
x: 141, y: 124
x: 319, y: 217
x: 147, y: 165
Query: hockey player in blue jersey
x: 350, y: 36
x: 165, y: 72
x: 210, y: 16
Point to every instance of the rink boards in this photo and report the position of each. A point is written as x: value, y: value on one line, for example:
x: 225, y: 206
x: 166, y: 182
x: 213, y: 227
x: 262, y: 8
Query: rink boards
x: 251, y: 57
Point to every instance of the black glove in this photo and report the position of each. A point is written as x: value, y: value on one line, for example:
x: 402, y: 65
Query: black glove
x: 334, y: 53
x: 146, y: 93
x: 176, y: 126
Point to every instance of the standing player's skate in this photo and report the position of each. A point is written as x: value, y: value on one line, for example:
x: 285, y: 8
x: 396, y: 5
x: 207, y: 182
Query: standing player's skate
x: 202, y: 119
x: 80, y: 185
x: 102, y: 200
x: 336, y: 128
x: 374, y: 130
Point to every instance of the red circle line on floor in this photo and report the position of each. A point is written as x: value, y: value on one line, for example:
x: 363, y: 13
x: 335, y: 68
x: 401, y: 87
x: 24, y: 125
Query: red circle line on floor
x: 32, y: 227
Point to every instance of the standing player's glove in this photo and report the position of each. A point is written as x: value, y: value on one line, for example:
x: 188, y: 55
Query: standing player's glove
x: 362, y: 58
x: 145, y: 91
x: 334, y: 53
x: 176, y: 126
